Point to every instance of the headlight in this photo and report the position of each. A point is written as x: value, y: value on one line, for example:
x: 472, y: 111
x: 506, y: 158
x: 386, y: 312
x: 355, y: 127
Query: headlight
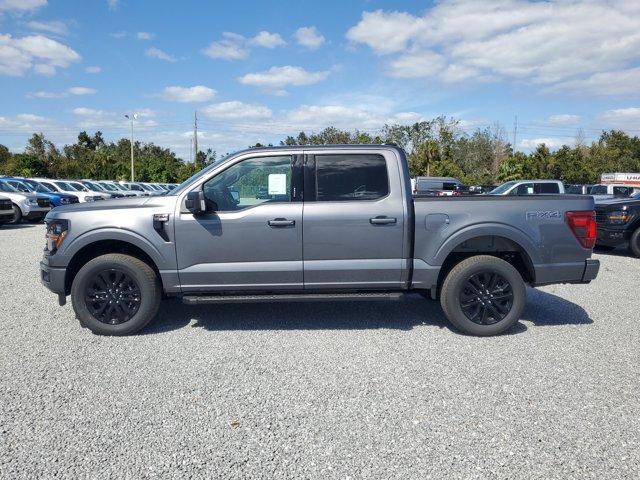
x: 31, y: 201
x: 619, y: 217
x: 56, y: 233
x: 89, y: 199
x: 65, y: 200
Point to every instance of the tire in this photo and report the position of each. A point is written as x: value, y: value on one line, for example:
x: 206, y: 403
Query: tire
x: 462, y: 284
x: 97, y: 275
x: 17, y: 216
x: 634, y: 242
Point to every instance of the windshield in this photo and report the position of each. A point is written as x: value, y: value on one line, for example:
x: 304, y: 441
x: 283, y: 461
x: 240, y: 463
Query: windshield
x: 146, y: 187
x: 502, y: 188
x: 108, y: 186
x: 66, y: 186
x: 21, y: 187
x: 78, y: 186
x: 50, y: 186
x: 36, y: 187
x: 5, y: 187
x: 93, y: 186
x: 181, y: 186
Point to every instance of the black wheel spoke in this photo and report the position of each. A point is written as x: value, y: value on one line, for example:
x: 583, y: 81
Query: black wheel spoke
x: 113, y: 296
x: 486, y: 298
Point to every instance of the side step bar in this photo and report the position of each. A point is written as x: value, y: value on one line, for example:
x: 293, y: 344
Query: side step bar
x: 291, y: 297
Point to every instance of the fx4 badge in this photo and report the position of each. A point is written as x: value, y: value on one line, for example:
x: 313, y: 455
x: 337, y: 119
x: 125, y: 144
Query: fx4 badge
x: 543, y: 214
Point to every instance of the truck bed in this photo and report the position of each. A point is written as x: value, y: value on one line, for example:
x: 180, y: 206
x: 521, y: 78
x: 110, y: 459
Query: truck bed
x: 532, y: 227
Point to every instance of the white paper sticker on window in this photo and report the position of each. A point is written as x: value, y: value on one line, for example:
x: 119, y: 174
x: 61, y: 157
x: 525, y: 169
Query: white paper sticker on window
x: 277, y: 184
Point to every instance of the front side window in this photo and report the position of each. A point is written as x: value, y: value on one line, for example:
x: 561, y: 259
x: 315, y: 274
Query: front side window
x: 622, y: 191
x: 250, y: 182
x: 351, y: 177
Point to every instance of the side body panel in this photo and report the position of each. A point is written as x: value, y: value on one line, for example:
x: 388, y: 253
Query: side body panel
x: 344, y: 247
x: 536, y: 223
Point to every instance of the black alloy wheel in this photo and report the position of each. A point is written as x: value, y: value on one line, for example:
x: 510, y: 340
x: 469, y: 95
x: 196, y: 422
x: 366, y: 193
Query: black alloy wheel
x: 486, y: 298
x: 112, y: 296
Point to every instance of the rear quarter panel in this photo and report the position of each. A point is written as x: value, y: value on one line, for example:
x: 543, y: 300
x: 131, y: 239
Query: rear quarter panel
x: 536, y: 223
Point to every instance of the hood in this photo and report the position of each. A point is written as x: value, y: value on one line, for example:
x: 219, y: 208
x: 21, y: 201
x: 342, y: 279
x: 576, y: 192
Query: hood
x: 19, y: 196
x: 112, y: 205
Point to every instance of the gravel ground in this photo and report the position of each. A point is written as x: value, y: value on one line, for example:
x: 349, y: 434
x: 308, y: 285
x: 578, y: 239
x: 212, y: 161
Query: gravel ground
x: 323, y: 390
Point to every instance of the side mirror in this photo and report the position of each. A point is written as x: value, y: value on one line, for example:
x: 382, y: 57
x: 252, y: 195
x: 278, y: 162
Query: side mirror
x: 195, y: 202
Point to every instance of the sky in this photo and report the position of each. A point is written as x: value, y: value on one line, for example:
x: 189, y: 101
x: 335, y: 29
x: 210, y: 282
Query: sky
x: 258, y: 71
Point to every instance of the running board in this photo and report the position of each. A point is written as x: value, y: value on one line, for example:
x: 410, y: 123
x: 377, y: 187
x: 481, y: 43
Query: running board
x: 291, y: 297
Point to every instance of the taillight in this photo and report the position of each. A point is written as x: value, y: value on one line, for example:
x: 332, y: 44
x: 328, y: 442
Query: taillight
x: 583, y: 226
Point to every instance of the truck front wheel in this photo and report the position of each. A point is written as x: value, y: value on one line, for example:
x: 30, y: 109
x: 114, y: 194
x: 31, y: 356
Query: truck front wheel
x: 115, y: 294
x: 483, y: 295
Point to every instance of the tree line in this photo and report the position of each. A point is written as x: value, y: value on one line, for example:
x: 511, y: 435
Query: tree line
x: 437, y: 147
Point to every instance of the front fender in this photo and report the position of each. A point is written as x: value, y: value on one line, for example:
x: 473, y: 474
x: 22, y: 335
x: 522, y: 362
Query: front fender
x: 69, y: 250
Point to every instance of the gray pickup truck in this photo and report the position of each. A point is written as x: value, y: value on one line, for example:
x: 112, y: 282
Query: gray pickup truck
x: 336, y: 223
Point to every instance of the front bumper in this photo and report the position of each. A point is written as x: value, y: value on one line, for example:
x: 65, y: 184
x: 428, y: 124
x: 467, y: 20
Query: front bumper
x: 53, y: 278
x: 6, y: 215
x: 611, y: 237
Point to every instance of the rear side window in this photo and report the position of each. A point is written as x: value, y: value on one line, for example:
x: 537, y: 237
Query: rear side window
x: 351, y: 177
x: 547, y: 188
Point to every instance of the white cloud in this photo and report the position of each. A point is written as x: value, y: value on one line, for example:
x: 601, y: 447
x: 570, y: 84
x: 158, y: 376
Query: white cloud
x: 231, y: 47
x: 93, y: 69
x: 309, y: 37
x: 267, y: 40
x: 37, y: 52
x: 234, y: 46
x: 154, y: 52
x: 199, y: 93
x: 546, y: 43
x: 615, y: 83
x: 102, y: 119
x: 551, y: 143
x: 55, y: 27
x: 77, y: 91
x: 564, y: 119
x: 621, y: 118
x: 21, y: 5
x: 277, y: 77
x: 81, y: 91
x: 144, y: 36
x: 113, y: 4
x: 236, y: 110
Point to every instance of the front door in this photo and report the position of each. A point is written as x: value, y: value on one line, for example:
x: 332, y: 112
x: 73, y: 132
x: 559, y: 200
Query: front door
x: 354, y: 224
x: 252, y: 237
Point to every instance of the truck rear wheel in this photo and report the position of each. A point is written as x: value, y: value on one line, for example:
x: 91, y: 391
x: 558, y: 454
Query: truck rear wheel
x: 483, y: 295
x: 634, y: 243
x: 115, y: 294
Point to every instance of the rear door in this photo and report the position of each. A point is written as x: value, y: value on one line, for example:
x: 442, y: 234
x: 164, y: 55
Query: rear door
x: 353, y: 221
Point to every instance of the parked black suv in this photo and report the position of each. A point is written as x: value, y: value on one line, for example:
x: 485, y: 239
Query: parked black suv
x: 619, y: 223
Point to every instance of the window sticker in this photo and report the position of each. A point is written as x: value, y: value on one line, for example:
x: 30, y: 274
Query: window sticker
x: 277, y: 184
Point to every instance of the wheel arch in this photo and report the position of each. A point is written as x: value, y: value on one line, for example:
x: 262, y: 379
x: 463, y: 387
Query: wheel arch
x: 100, y: 247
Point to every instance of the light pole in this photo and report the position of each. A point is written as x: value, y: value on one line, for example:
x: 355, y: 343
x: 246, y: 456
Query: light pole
x: 132, y: 118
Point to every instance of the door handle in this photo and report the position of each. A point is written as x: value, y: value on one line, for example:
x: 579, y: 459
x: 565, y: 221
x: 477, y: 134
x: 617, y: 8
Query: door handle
x: 380, y: 220
x: 281, y: 222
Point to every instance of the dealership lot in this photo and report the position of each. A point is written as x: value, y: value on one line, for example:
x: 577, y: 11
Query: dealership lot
x: 355, y: 390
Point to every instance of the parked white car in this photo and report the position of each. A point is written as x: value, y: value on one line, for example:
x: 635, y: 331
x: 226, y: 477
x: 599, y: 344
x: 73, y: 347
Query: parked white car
x: 80, y: 187
x: 615, y: 189
x: 64, y: 187
x: 29, y: 206
x: 110, y: 184
x: 529, y: 187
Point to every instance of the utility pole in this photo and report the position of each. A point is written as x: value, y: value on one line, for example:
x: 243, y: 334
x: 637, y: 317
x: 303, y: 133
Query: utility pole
x: 515, y: 132
x: 132, y: 117
x: 195, y: 135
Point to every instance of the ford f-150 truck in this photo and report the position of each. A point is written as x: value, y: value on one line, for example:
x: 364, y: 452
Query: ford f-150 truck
x: 336, y: 223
